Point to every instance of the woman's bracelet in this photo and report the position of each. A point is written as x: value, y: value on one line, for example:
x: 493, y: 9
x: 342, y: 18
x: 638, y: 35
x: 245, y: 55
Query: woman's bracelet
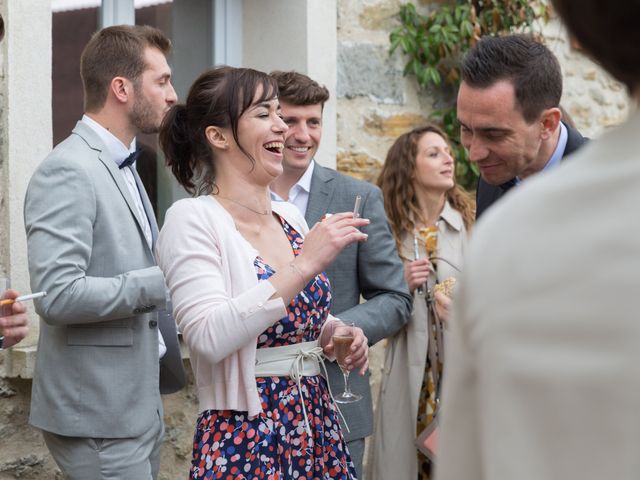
x: 295, y: 268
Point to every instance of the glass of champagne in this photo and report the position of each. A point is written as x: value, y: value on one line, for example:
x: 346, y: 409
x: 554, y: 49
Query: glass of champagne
x: 342, y: 338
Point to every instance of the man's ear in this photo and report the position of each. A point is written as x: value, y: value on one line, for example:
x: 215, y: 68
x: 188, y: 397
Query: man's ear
x: 121, y: 89
x: 216, y: 137
x: 550, y: 120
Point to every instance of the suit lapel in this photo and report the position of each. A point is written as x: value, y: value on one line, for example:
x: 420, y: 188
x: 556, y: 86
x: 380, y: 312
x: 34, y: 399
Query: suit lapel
x: 320, y: 195
x: 95, y: 143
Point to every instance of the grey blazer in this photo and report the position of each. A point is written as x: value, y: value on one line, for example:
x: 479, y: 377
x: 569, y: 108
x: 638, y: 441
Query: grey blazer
x: 371, y: 269
x: 97, y: 369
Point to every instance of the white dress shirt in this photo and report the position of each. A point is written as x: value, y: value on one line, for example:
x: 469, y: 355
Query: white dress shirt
x: 299, y: 192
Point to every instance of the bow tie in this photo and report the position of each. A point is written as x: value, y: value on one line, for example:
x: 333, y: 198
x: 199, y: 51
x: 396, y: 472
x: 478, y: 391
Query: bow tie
x: 133, y: 156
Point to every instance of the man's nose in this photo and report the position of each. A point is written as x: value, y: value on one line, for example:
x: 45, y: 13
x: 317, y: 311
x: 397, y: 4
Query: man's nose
x: 172, y: 96
x: 300, y: 133
x: 477, y: 150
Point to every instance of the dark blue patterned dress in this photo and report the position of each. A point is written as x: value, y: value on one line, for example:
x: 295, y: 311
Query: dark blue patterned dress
x: 275, y: 445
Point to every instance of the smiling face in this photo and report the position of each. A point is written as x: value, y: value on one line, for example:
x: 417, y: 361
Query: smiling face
x: 434, y: 164
x: 496, y: 135
x: 153, y: 93
x: 261, y: 132
x: 304, y: 135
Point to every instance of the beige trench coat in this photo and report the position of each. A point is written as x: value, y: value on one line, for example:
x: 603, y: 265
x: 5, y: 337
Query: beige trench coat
x: 392, y: 452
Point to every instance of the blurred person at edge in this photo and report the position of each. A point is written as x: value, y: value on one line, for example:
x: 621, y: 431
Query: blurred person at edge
x: 543, y: 376
x: 248, y: 288
x: 14, y: 324
x: 418, y: 184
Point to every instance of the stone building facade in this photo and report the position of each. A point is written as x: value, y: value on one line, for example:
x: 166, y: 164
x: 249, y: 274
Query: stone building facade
x: 345, y: 47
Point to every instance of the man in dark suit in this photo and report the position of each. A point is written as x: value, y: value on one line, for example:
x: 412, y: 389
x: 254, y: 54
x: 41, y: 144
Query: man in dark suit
x: 371, y: 269
x: 90, y: 234
x: 508, y: 109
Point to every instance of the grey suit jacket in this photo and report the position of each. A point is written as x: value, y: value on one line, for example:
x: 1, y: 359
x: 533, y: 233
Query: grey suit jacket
x: 97, y: 370
x: 371, y: 269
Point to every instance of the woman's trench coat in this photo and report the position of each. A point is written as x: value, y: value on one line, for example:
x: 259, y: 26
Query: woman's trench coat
x: 392, y: 452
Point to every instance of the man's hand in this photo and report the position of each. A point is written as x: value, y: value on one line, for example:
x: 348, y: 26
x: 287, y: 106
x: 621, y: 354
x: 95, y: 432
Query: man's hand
x: 13, y: 320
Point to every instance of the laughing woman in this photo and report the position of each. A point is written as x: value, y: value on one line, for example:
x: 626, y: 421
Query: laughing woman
x: 420, y: 195
x: 248, y: 291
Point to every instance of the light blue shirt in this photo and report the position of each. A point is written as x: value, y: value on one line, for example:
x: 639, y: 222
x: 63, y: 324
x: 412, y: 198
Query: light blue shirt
x: 557, y: 153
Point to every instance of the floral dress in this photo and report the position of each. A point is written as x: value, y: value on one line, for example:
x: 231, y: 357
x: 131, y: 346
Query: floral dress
x: 275, y: 445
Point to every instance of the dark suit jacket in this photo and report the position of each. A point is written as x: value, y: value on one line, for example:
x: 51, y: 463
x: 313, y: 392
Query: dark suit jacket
x: 487, y: 194
x: 371, y: 269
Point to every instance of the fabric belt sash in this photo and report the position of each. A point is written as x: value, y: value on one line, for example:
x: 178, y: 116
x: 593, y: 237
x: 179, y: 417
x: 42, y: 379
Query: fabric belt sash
x: 296, y: 361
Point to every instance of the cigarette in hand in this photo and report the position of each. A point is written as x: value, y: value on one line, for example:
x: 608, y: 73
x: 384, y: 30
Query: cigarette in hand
x: 356, y: 207
x: 23, y: 298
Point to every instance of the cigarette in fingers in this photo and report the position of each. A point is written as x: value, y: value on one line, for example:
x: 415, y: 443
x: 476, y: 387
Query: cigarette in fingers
x: 23, y: 298
x: 356, y: 207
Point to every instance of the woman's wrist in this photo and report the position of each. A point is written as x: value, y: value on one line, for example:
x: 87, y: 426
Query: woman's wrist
x: 305, y: 271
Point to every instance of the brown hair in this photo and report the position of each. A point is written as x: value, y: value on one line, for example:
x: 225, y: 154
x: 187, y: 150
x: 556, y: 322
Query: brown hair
x: 608, y: 32
x: 116, y: 51
x: 298, y: 89
x: 217, y: 98
x: 398, y: 188
x: 522, y: 60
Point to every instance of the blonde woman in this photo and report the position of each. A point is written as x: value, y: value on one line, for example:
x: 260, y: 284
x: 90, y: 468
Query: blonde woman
x: 421, y: 199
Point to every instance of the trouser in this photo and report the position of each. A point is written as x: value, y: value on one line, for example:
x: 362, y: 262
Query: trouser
x: 82, y: 458
x: 356, y: 449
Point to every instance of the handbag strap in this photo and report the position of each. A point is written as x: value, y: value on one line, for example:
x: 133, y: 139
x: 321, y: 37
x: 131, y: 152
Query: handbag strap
x: 435, y: 344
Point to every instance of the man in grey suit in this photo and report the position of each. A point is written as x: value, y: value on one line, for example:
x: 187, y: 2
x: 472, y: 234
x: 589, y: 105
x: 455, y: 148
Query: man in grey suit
x: 371, y: 269
x: 90, y: 232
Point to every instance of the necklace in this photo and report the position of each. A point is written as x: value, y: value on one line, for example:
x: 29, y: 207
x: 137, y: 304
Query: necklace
x: 265, y: 212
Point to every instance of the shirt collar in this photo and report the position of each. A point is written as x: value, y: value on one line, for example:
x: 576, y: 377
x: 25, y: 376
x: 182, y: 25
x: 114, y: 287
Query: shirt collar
x: 303, y: 183
x: 117, y: 150
x: 559, y: 151
x: 305, y: 180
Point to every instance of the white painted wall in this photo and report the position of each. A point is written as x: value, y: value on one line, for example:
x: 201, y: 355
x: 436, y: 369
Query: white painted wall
x: 296, y: 35
x: 25, y: 118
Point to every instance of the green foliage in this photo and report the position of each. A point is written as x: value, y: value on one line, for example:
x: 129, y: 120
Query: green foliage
x: 434, y: 44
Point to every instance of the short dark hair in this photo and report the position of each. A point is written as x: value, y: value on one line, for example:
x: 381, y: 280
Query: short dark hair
x: 1, y: 27
x: 298, y: 89
x: 608, y: 32
x: 217, y: 98
x: 522, y: 60
x: 116, y: 51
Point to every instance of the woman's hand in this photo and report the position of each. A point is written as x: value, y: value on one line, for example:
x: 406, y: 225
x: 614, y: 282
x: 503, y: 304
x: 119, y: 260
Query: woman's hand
x: 326, y: 240
x: 417, y: 272
x: 443, y: 307
x: 359, y: 356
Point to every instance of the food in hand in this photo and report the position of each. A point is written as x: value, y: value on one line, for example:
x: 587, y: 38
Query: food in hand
x: 446, y: 286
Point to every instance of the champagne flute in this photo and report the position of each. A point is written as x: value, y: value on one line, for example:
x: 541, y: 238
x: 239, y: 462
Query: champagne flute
x: 342, y: 339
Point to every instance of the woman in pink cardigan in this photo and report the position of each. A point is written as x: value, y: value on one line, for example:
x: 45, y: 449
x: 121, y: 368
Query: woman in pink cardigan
x: 249, y: 296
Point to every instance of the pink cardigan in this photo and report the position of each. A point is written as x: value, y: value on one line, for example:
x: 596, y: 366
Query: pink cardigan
x: 218, y: 303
